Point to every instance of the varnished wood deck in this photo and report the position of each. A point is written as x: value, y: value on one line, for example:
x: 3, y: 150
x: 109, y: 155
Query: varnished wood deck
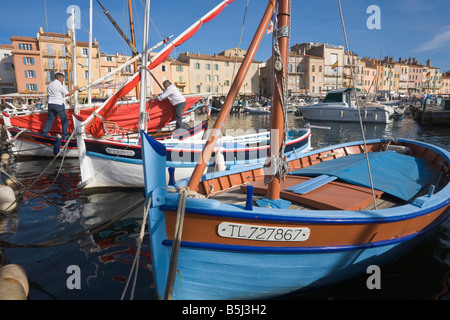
x: 238, y: 196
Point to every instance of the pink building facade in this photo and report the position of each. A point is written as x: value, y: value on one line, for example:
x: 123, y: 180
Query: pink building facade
x: 27, y: 65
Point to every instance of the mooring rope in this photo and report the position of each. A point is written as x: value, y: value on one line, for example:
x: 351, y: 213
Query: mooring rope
x: 139, y: 241
x: 78, y: 235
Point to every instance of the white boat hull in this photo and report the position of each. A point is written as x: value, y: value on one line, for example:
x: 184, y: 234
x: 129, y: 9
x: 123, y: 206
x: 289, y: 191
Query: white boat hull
x: 321, y: 112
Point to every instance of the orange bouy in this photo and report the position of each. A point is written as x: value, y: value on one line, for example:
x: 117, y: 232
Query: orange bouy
x: 13, y: 283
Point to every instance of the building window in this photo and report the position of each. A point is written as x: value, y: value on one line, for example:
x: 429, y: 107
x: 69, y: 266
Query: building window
x: 216, y: 67
x: 216, y: 78
x: 163, y: 68
x: 32, y: 87
x: 313, y: 68
x: 28, y: 61
x: 84, y: 52
x: 320, y: 68
x: 30, y: 74
x: 180, y: 68
x: 109, y: 59
x: 197, y: 66
x: 9, y: 66
x: 25, y: 46
x: 227, y: 83
x: 198, y: 88
x: 208, y: 78
x: 86, y: 74
x: 207, y: 66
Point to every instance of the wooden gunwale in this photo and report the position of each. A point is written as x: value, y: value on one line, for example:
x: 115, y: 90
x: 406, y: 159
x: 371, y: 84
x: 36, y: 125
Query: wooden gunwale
x: 203, y: 229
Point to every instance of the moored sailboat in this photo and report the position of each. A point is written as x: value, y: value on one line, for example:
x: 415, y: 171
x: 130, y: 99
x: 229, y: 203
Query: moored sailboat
x: 316, y: 219
x: 118, y: 162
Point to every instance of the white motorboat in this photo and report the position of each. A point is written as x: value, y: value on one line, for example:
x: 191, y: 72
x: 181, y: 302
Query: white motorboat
x: 340, y: 105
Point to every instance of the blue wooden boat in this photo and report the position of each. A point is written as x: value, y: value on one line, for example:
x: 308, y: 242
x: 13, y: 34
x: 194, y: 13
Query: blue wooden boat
x: 295, y: 223
x: 231, y: 248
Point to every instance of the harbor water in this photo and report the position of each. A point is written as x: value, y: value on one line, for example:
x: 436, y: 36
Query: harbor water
x: 63, y: 263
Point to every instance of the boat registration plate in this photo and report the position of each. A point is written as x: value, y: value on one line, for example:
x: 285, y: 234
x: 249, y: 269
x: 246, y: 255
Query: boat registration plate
x: 262, y: 233
x: 120, y: 152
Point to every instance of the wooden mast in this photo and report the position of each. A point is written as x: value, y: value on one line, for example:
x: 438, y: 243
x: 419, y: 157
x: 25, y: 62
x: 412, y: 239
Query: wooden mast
x: 277, y: 117
x: 133, y: 41
x: 232, y: 94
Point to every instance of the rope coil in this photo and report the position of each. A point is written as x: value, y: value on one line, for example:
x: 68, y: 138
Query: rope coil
x: 276, y: 165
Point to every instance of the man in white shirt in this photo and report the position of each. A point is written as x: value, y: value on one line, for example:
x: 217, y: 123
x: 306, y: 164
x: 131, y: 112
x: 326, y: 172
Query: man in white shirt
x: 56, y: 92
x: 176, y: 99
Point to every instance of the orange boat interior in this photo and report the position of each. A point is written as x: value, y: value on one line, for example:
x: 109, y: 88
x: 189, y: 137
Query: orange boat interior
x: 327, y: 195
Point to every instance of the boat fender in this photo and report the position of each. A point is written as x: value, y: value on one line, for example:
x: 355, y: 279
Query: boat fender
x: 7, y: 198
x: 171, y: 171
x: 249, y: 201
x: 13, y: 283
x: 220, y: 162
x: 57, y: 146
x: 399, y: 149
x: 5, y: 158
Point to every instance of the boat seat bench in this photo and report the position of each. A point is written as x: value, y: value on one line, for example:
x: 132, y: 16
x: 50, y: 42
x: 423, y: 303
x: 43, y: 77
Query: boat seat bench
x: 324, y: 195
x: 312, y: 184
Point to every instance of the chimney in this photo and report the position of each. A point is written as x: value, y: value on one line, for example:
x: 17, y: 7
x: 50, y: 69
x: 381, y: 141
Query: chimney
x: 428, y: 63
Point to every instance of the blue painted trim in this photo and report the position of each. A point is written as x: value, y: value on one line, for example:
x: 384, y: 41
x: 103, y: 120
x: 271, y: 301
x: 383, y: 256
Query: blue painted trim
x: 260, y: 215
x: 324, y: 249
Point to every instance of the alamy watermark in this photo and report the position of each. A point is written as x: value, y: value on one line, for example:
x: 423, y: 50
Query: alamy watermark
x: 77, y: 13
x: 374, y: 20
x: 374, y: 280
x: 74, y: 280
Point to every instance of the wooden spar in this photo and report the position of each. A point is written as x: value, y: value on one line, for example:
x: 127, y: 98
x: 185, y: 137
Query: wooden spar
x: 133, y: 41
x: 132, y: 47
x: 277, y: 117
x: 232, y: 94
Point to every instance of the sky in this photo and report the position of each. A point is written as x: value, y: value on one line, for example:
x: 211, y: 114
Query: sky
x: 374, y: 28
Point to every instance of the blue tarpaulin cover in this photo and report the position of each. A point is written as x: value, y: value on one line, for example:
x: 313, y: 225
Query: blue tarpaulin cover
x: 394, y: 173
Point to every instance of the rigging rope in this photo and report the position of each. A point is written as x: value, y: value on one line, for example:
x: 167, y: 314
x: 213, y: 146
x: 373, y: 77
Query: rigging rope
x: 358, y: 108
x: 240, y: 39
